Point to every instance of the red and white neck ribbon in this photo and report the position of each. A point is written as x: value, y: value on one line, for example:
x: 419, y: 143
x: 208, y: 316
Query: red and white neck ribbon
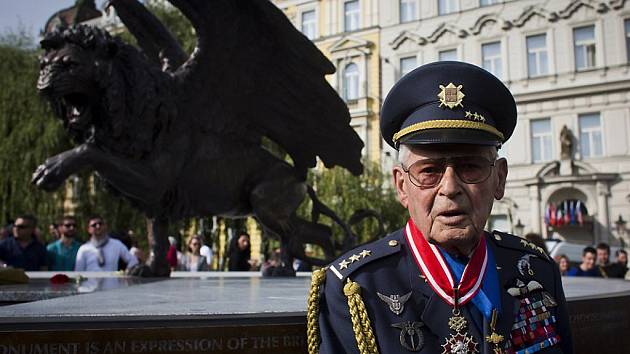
x: 437, y: 273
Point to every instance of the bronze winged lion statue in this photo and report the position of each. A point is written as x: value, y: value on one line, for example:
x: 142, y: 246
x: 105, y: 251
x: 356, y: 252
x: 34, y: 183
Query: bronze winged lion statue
x: 181, y: 136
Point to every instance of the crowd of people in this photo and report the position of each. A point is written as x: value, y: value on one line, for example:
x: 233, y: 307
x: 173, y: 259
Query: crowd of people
x: 596, y: 263
x: 23, y: 245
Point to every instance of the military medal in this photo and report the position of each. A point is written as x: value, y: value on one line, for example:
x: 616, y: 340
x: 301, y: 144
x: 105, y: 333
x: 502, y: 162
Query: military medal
x: 523, y: 265
x: 495, y: 338
x: 411, y: 337
x: 395, y: 302
x: 438, y: 276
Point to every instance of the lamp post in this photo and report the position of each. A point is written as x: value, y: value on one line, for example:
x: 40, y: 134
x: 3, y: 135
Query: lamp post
x: 519, y: 228
x: 621, y: 230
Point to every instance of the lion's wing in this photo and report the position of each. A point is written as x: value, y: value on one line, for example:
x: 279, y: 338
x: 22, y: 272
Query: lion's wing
x: 153, y: 37
x: 254, y: 75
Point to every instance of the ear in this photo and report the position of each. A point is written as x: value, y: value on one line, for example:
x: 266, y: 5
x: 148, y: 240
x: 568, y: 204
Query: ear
x: 401, y: 186
x: 501, y: 169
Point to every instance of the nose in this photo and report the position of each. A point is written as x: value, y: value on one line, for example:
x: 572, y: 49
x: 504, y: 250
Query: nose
x: 450, y: 185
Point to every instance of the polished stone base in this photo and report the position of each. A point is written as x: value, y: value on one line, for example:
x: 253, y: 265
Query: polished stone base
x: 221, y: 313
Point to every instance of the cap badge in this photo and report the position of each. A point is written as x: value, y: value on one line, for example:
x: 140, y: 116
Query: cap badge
x: 451, y: 96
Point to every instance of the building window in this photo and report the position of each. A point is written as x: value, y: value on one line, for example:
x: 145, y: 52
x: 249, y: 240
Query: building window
x: 627, y: 26
x: 351, y: 13
x: 491, y: 56
x: 351, y: 82
x: 584, y: 47
x: 407, y: 64
x: 537, y: 55
x: 487, y: 2
x: 309, y: 24
x: 541, y: 139
x: 447, y: 6
x: 590, y: 135
x: 408, y: 11
x: 450, y: 54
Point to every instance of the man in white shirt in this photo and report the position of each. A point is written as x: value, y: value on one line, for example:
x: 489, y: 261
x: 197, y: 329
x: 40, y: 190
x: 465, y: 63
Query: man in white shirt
x: 206, y: 251
x: 101, y: 252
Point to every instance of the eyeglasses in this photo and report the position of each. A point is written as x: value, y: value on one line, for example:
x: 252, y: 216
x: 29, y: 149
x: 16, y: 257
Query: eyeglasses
x: 97, y: 224
x: 70, y: 225
x: 21, y: 226
x: 428, y: 173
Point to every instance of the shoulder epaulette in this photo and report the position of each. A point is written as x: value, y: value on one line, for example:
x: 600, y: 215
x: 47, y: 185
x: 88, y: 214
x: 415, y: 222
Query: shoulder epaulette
x: 503, y: 239
x: 360, y: 256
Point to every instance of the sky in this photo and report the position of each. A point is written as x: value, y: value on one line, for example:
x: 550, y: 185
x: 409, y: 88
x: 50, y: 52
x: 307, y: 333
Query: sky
x: 33, y: 14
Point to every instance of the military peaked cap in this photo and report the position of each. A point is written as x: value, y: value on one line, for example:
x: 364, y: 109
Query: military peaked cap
x: 448, y: 102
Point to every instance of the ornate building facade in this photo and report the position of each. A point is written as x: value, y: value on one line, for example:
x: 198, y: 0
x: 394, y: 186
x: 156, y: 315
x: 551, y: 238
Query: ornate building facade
x: 347, y: 32
x: 567, y: 63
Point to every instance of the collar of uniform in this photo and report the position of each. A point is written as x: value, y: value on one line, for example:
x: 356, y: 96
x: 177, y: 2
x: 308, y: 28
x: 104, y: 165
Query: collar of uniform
x: 362, y: 255
x: 502, y: 239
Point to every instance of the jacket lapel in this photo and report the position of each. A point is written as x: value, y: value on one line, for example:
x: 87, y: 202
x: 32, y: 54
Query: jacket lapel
x: 509, y: 304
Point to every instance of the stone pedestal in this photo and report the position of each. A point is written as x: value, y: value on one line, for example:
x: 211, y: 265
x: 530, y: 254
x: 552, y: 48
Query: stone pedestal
x: 227, y: 314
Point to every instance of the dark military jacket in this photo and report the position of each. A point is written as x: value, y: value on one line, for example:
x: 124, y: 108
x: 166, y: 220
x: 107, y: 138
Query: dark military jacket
x: 387, y: 267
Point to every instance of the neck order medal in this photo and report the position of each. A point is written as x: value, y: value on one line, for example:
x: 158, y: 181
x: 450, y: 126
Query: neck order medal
x: 439, y: 277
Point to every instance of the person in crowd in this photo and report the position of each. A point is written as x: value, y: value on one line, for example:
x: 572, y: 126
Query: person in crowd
x: 102, y: 252
x: 440, y: 284
x: 135, y: 249
x: 620, y: 267
x: 22, y: 249
x: 206, y: 251
x: 603, y: 254
x: 587, y: 268
x: 239, y: 253
x: 173, y: 255
x: 53, y: 232
x: 62, y: 254
x: 192, y: 260
x: 563, y: 264
x: 537, y: 240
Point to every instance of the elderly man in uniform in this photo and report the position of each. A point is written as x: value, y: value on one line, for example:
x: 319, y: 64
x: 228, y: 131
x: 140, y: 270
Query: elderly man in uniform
x: 442, y: 284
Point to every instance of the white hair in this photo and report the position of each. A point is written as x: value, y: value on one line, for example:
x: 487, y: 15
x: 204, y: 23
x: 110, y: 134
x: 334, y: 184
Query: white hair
x: 403, y: 153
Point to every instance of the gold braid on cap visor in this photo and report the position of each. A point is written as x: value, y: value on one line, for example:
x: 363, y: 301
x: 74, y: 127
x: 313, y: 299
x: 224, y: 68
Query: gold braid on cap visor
x: 445, y: 124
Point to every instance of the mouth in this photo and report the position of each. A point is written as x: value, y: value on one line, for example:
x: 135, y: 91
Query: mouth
x: 452, y: 217
x: 73, y: 109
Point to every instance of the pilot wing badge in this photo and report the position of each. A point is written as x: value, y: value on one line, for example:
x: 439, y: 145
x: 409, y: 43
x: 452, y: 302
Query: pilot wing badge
x: 396, y: 302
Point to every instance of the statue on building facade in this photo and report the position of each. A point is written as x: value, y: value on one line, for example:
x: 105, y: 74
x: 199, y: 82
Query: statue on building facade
x: 181, y: 136
x: 566, y: 144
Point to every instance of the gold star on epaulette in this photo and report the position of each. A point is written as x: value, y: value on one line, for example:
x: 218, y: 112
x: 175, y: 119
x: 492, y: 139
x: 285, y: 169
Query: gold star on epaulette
x: 343, y: 264
x: 354, y: 258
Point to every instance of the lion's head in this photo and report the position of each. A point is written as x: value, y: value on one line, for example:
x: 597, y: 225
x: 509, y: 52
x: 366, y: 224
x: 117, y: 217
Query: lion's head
x: 101, y: 88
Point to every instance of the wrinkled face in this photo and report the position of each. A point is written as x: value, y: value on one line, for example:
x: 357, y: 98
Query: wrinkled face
x: 452, y: 213
x: 588, y: 260
x: 602, y: 256
x: 67, y: 80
